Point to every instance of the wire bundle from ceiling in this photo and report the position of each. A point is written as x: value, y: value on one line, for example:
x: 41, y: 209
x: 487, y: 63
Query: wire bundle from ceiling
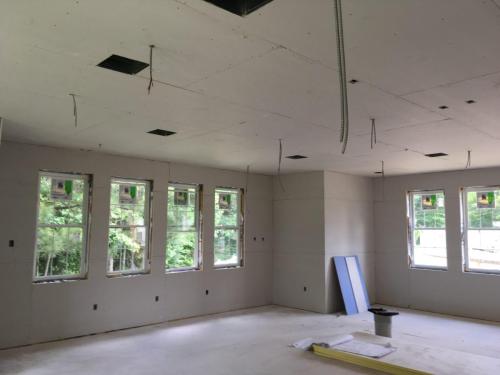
x: 344, y: 127
x: 151, y: 47
x: 75, y: 109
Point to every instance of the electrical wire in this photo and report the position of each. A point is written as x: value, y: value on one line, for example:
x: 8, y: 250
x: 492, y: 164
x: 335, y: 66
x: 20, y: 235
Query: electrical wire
x: 373, y: 140
x: 468, y: 164
x: 75, y: 110
x: 1, y: 129
x: 280, y: 158
x: 150, y: 68
x: 246, y: 179
x: 344, y: 127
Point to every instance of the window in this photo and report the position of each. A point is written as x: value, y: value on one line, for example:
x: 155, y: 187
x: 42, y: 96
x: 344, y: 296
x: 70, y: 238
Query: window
x: 427, y: 229
x: 228, y: 230
x: 481, y: 229
x: 183, y: 227
x: 61, y: 234
x: 129, y: 222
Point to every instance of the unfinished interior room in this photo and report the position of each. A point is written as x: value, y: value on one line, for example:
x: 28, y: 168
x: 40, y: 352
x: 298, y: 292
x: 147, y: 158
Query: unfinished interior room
x: 254, y: 187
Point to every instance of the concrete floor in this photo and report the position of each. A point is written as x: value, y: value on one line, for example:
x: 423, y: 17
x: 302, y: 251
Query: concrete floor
x: 252, y: 341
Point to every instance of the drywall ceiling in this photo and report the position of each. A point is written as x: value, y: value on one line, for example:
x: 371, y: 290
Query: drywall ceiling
x: 231, y: 87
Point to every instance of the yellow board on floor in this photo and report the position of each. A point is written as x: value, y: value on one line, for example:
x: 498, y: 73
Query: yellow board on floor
x: 370, y: 363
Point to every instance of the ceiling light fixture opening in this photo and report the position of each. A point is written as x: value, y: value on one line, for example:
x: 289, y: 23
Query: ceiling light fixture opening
x: 296, y: 157
x: 161, y: 132
x: 436, y: 155
x: 123, y: 64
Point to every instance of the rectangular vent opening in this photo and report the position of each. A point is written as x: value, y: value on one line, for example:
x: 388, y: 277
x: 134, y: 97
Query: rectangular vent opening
x: 123, y: 64
x: 163, y: 133
x: 436, y: 155
x: 296, y: 157
x: 239, y: 7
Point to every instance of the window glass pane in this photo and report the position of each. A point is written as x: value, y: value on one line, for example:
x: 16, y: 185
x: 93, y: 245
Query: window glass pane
x: 182, y: 227
x: 59, y: 251
x: 226, y: 208
x: 128, y: 203
x: 63, y: 209
x: 429, y: 230
x: 181, y: 209
x: 129, y: 223
x: 181, y: 250
x: 226, y: 247
x: 483, y: 235
x: 61, y: 225
x: 126, y: 247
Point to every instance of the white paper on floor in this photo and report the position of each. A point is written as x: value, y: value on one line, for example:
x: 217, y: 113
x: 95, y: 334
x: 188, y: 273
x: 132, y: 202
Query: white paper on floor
x: 365, y: 348
x: 346, y: 343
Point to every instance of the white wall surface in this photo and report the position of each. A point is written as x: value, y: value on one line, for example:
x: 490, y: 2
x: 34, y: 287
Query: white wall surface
x: 32, y: 313
x: 299, y: 242
x: 348, y: 230
x: 452, y: 291
x: 319, y: 215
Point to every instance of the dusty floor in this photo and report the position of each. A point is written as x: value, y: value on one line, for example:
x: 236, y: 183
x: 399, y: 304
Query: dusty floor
x: 250, y: 341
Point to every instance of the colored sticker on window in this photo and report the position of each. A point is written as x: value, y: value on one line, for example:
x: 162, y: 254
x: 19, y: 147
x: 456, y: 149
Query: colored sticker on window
x: 486, y: 199
x: 128, y: 194
x: 181, y: 198
x: 224, y: 201
x: 61, y: 190
x: 429, y: 202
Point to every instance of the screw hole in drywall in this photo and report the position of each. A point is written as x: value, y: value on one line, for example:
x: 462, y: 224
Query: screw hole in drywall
x: 206, y: 292
x: 305, y: 289
x: 95, y: 306
x: 157, y: 299
x: 11, y: 243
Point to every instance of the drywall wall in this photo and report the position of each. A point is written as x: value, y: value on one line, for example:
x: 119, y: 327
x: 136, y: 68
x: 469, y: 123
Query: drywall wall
x: 348, y: 230
x: 299, y: 241
x: 452, y: 291
x: 32, y: 313
x: 318, y: 215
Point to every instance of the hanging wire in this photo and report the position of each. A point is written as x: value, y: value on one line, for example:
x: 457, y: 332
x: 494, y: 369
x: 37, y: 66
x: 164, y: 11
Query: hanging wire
x: 280, y: 158
x: 383, y: 181
x: 75, y: 110
x: 344, y: 128
x: 246, y: 179
x: 468, y: 164
x: 373, y: 140
x: 150, y: 68
x: 1, y: 128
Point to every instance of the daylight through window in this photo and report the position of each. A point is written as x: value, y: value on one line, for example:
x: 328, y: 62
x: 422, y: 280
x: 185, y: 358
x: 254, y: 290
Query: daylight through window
x: 129, y: 220
x: 183, y: 227
x: 228, y: 233
x: 61, y: 234
x: 427, y: 229
x: 482, y: 229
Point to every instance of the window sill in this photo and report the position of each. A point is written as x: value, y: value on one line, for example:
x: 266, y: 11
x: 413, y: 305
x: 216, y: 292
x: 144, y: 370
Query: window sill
x: 228, y: 267
x: 482, y: 272
x: 182, y: 270
x: 127, y: 275
x: 428, y: 268
x: 59, y: 281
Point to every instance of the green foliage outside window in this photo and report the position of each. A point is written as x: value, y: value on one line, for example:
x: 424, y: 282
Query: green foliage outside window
x: 60, y: 231
x: 182, y: 229
x: 128, y: 232
x: 227, y: 231
x: 481, y: 218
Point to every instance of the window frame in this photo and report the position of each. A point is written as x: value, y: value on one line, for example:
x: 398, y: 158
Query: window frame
x: 411, y: 228
x: 198, y: 253
x: 465, y: 228
x: 148, y: 224
x: 240, y: 227
x: 86, y: 217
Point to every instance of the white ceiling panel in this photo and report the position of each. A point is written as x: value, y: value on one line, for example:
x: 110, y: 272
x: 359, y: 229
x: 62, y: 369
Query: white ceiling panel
x: 231, y: 87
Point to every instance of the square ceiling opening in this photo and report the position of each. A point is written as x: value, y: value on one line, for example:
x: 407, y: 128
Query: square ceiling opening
x: 296, y: 157
x: 436, y: 155
x: 161, y: 132
x: 239, y: 7
x: 123, y: 64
